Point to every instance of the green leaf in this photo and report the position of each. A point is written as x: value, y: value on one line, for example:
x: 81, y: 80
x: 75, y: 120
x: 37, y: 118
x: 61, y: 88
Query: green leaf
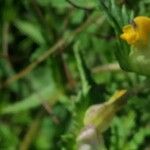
x: 36, y: 99
x: 85, y: 84
x: 32, y: 30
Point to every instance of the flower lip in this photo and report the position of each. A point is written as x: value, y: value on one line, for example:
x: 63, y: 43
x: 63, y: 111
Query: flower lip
x: 130, y: 34
x: 137, y: 33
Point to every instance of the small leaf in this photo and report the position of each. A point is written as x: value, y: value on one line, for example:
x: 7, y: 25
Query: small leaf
x: 47, y: 94
x: 32, y: 30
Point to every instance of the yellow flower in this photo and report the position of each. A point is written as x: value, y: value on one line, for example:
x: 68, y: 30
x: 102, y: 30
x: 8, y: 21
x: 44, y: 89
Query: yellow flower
x: 137, y: 35
x: 138, y: 32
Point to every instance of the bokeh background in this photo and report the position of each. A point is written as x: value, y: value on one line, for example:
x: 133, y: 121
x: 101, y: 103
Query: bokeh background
x: 56, y: 59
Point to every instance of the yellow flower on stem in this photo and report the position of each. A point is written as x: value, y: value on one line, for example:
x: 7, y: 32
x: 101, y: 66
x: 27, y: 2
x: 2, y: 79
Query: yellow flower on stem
x: 137, y: 35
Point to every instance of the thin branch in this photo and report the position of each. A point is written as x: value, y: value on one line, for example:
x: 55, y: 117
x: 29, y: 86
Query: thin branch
x: 30, y: 67
x: 63, y: 42
x: 48, y: 109
x: 5, y: 38
x: 107, y: 68
x: 5, y: 48
x: 79, y: 7
x: 31, y: 132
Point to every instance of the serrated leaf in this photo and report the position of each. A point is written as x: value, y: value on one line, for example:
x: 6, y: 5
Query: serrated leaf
x: 32, y: 30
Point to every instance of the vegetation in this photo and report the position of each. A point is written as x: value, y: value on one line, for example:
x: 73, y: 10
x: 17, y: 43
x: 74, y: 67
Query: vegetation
x: 60, y: 59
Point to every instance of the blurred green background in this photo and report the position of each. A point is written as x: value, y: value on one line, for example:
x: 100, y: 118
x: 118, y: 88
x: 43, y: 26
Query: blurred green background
x: 56, y: 59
